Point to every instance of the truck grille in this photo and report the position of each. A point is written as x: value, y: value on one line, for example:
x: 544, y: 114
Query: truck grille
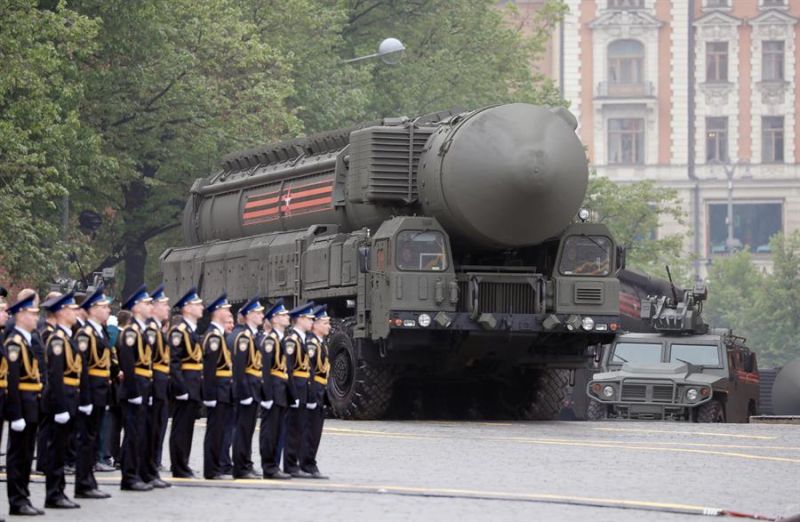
x: 634, y: 392
x: 588, y: 295
x: 500, y: 298
x: 663, y: 393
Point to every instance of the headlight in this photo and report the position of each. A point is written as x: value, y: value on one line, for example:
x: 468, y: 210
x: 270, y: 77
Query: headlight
x: 608, y: 392
x: 691, y: 394
x: 587, y: 323
x: 583, y: 214
x: 424, y: 320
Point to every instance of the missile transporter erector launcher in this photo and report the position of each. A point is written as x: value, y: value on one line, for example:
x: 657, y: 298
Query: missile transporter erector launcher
x: 446, y: 248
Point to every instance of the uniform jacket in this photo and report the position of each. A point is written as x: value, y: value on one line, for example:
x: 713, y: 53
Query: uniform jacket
x: 161, y: 360
x: 275, y: 385
x: 24, y: 380
x: 135, y: 359
x: 320, y: 368
x: 297, y: 364
x: 65, y: 376
x: 247, y: 364
x: 186, y: 361
x: 97, y: 363
x: 217, y: 367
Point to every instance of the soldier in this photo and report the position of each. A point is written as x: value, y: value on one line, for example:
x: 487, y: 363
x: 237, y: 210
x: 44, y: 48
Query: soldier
x: 157, y: 411
x: 294, y: 346
x: 320, y: 368
x: 22, y: 405
x: 275, y: 388
x: 98, y: 368
x: 45, y: 421
x: 217, y: 387
x: 134, y: 392
x: 186, y: 367
x: 62, y: 398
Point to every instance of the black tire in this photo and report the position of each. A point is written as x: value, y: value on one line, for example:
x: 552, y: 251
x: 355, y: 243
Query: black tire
x: 596, y: 411
x: 711, y: 412
x: 357, y: 390
x: 549, y: 395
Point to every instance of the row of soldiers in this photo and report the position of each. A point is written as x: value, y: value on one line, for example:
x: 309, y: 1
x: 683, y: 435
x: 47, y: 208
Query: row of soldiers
x: 273, y: 364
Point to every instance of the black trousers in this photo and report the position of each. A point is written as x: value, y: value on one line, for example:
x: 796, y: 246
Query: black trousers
x: 154, y: 423
x: 313, y: 435
x: 295, y: 427
x: 57, y: 442
x: 113, y: 442
x: 272, y: 421
x: 133, y: 452
x: 180, y: 437
x: 162, y: 435
x: 214, y: 441
x: 243, y: 438
x: 41, y: 441
x: 227, y: 439
x: 18, y: 465
x: 88, y: 428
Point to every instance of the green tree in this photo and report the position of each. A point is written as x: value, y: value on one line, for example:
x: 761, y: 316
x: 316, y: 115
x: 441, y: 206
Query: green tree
x: 46, y: 153
x: 633, y: 212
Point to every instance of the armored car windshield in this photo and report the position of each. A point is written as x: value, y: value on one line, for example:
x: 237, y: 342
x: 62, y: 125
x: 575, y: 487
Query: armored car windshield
x: 586, y: 256
x: 421, y: 250
x: 699, y: 354
x: 644, y: 353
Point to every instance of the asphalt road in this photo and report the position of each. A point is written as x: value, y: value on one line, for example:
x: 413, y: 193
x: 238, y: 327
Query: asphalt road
x: 403, y: 471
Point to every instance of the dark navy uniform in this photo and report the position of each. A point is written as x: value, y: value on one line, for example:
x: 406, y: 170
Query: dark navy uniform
x: 217, y: 389
x: 158, y: 409
x: 135, y: 358
x: 320, y: 369
x: 275, y: 396
x: 297, y: 362
x: 38, y: 342
x: 22, y: 403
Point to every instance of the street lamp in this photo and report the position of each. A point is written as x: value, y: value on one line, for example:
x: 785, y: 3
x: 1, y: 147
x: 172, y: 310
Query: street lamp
x: 390, y: 51
x: 729, y: 168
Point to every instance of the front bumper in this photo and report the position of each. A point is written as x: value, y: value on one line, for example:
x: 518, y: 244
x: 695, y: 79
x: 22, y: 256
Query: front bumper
x: 506, y: 323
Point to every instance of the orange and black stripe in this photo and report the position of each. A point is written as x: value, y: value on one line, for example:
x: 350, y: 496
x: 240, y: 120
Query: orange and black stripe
x: 293, y: 200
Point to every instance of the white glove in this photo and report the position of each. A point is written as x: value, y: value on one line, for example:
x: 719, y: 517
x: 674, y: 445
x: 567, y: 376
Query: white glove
x: 112, y: 321
x: 136, y: 400
x: 246, y: 402
x: 210, y: 404
x: 62, y: 418
x: 18, y: 425
x: 266, y: 404
x: 296, y: 404
x: 311, y: 405
x: 184, y: 397
x: 150, y: 401
x: 86, y: 410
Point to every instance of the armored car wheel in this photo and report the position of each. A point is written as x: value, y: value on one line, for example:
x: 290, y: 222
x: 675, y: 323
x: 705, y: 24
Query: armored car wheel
x: 596, y: 411
x: 712, y: 411
x: 357, y: 389
x: 549, y: 395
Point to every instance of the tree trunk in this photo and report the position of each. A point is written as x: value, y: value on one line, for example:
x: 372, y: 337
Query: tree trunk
x: 135, y: 259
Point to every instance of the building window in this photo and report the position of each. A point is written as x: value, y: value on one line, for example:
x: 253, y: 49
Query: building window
x: 773, y: 3
x: 772, y: 61
x: 717, y: 62
x: 716, y: 3
x: 716, y: 139
x: 626, y: 141
x: 753, y: 226
x: 772, y: 139
x: 625, y: 4
x: 625, y: 62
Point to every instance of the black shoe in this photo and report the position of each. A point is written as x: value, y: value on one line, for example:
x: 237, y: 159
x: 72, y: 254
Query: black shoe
x: 62, y: 503
x: 102, y: 467
x: 277, y: 475
x: 184, y: 476
x: 69, y: 470
x: 93, y: 493
x: 299, y: 473
x: 160, y: 484
x: 315, y: 474
x: 27, y: 510
x: 219, y: 477
x: 136, y: 486
x: 247, y: 476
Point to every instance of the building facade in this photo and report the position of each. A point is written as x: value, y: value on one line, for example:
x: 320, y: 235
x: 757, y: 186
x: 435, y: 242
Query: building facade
x: 698, y: 95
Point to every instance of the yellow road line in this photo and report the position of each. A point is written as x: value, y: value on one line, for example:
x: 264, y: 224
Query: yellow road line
x: 703, y: 433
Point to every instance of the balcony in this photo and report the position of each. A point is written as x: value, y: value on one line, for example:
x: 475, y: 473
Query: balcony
x: 625, y: 90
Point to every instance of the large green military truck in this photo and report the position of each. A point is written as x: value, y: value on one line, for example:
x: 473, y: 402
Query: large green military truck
x: 447, y: 248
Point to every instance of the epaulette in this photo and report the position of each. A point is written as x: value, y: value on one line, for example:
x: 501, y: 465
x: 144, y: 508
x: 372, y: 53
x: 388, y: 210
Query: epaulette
x: 182, y: 327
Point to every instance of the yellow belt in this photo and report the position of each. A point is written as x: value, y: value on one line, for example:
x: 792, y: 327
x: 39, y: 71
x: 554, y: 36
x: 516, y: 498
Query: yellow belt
x: 279, y: 374
x: 31, y: 386
x: 72, y: 381
x: 98, y: 372
x: 321, y: 380
x: 253, y: 372
x: 224, y: 373
x: 192, y: 366
x: 163, y: 368
x: 298, y: 373
x: 143, y: 372
x: 3, y: 383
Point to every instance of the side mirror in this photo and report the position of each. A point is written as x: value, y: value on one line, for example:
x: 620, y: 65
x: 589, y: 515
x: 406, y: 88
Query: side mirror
x: 363, y: 259
x: 622, y: 253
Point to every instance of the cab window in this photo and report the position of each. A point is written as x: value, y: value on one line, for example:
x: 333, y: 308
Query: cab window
x: 421, y: 251
x: 586, y: 256
x: 642, y: 353
x: 698, y: 354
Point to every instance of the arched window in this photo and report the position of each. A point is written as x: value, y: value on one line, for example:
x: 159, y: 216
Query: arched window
x: 625, y: 62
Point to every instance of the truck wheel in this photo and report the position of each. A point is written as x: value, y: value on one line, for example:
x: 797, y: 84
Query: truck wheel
x: 356, y: 389
x: 549, y: 395
x: 596, y: 411
x: 712, y: 411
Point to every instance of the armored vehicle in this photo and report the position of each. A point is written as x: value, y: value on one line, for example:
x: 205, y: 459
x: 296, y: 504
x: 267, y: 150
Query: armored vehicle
x: 446, y: 246
x: 682, y: 371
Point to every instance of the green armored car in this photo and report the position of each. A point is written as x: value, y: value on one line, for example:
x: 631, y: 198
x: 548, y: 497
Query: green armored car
x: 683, y: 371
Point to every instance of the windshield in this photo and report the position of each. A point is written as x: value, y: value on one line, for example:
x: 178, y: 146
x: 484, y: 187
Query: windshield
x: 644, y: 353
x: 418, y: 250
x: 698, y: 354
x: 586, y: 255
